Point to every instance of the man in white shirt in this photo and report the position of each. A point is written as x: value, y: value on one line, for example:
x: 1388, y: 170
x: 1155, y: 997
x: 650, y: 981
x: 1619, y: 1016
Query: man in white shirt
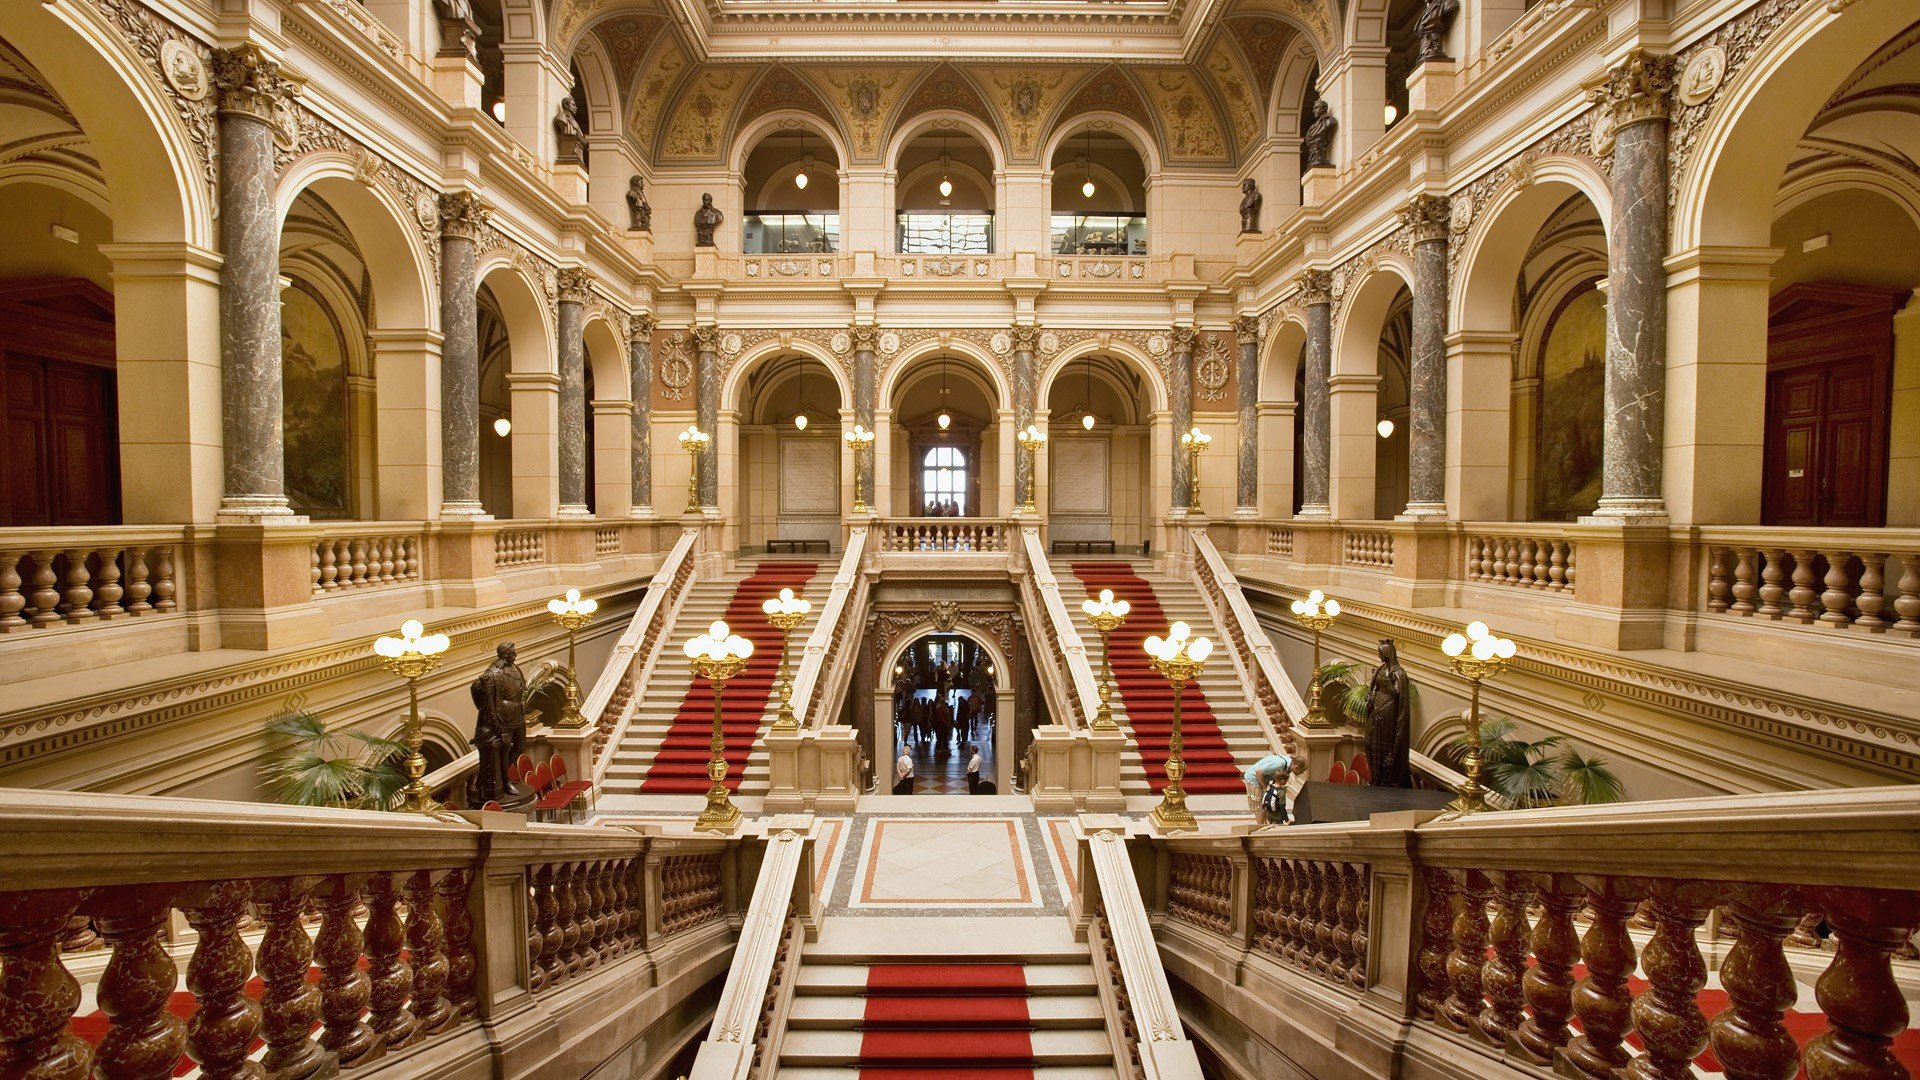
x: 903, y: 773
x: 973, y: 769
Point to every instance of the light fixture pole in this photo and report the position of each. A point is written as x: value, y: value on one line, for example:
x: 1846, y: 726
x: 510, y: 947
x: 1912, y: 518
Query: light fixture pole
x: 571, y: 612
x: 411, y: 655
x: 1195, y: 442
x: 786, y: 612
x: 1106, y: 614
x: 860, y: 441
x: 1031, y: 440
x: 718, y: 655
x: 1179, y: 657
x: 694, y: 441
x: 1476, y: 655
x: 1314, y: 615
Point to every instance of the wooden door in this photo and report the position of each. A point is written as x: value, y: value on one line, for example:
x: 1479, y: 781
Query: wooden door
x: 61, y: 448
x: 1829, y: 373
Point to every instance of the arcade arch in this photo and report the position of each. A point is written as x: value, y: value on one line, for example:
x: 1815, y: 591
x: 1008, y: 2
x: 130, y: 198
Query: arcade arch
x: 1099, y: 481
x: 789, y: 486
x: 913, y: 655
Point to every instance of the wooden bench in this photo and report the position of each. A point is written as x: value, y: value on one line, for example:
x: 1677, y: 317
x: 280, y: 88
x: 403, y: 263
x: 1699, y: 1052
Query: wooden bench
x: 798, y: 547
x: 1083, y: 547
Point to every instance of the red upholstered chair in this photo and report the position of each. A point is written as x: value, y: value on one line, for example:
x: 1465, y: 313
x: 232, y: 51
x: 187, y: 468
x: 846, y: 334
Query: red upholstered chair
x: 1337, y: 773
x: 491, y: 804
x: 1359, y: 771
x: 565, y: 794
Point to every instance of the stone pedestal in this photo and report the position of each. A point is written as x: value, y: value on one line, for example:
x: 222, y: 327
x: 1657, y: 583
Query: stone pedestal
x: 1076, y: 770
x: 1431, y: 85
x: 813, y: 770
x: 570, y: 182
x: 574, y: 745
x: 1317, y: 186
x: 1620, y: 598
x: 1422, y: 559
x: 263, y: 586
x: 458, y: 80
x: 1325, y: 745
x: 463, y: 553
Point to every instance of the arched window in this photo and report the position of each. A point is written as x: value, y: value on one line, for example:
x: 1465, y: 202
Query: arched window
x: 943, y: 478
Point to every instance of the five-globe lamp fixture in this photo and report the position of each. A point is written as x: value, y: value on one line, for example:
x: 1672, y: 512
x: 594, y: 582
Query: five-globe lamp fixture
x: 786, y: 612
x: 1179, y: 658
x: 1031, y: 440
x: 411, y: 655
x: 1475, y: 655
x: 1314, y: 615
x: 1195, y: 443
x: 572, y: 612
x: 718, y: 655
x: 1106, y: 614
x: 860, y: 441
x: 694, y: 442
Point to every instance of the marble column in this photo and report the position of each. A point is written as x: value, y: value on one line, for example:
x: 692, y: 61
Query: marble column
x: 706, y: 389
x: 1316, y: 416
x: 461, y: 217
x: 1180, y: 393
x: 573, y: 284
x: 1026, y: 385
x: 866, y: 342
x: 1635, y: 100
x: 640, y: 370
x: 1246, y: 330
x: 250, y: 90
x: 1427, y: 218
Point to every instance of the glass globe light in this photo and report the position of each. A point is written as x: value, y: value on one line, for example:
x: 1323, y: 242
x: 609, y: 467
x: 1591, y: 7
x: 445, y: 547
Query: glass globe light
x: 1385, y: 428
x: 1504, y: 649
x: 946, y: 187
x: 1315, y: 596
x: 411, y: 628
x: 502, y: 426
x: 1483, y: 649
x: 1087, y: 421
x: 800, y: 180
x: 1179, y: 631
x: 1086, y: 189
x: 945, y: 420
x: 1476, y: 630
x: 800, y: 421
x: 1454, y: 645
x: 1333, y: 607
x: 1199, y: 650
x: 1298, y: 608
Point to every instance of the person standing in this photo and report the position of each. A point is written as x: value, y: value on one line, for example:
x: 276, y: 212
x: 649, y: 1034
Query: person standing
x: 903, y: 773
x: 973, y: 769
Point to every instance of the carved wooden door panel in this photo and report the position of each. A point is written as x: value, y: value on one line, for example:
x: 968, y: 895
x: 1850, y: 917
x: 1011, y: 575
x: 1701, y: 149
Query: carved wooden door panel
x: 1829, y: 375
x: 1793, y: 448
x: 61, y: 450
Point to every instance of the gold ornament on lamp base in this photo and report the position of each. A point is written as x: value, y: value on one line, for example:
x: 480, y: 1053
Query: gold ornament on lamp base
x: 1179, y: 657
x: 694, y: 441
x: 1314, y: 615
x: 1475, y: 655
x: 571, y: 613
x: 718, y: 655
x: 1195, y: 443
x: 411, y: 655
x: 1031, y: 440
x: 786, y: 612
x: 1106, y: 614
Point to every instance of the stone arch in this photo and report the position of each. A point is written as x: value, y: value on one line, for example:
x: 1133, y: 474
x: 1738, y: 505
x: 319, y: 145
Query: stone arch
x: 1007, y: 737
x: 523, y: 21
x: 533, y: 383
x: 1143, y: 141
x: 1354, y: 391
x: 87, y: 189
x: 404, y: 293
x: 1288, y: 94
x: 1286, y: 343
x: 982, y: 365
x: 733, y: 387
x: 1363, y: 311
x: 1497, y: 243
x: 932, y: 119
x: 1132, y: 355
x: 1801, y: 190
x: 750, y: 134
x: 606, y: 348
x: 609, y: 434
x: 605, y: 109
x: 1364, y: 23
x: 529, y: 319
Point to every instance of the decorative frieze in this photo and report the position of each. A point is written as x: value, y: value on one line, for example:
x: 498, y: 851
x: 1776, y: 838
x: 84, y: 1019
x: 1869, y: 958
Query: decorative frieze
x: 303, y: 132
x: 1576, y: 138
x: 179, y: 63
x: 1706, y: 67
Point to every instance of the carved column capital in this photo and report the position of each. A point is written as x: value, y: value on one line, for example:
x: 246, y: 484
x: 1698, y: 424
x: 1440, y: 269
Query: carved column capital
x: 1637, y: 89
x: 574, y: 284
x: 865, y: 336
x: 1428, y: 217
x: 249, y: 82
x: 1246, y: 330
x: 706, y: 338
x: 1025, y: 338
x: 463, y: 215
x: 1316, y: 287
x: 641, y: 328
x: 1183, y: 338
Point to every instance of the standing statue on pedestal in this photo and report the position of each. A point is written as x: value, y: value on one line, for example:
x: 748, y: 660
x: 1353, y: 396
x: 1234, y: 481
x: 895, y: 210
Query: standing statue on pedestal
x: 1318, y: 140
x: 1250, y: 201
x: 1389, y: 721
x: 639, y: 214
x: 1435, y: 18
x: 500, y: 723
x: 705, y: 221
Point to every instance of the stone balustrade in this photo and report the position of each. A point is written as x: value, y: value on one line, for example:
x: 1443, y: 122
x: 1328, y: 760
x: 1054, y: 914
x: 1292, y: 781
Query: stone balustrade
x: 606, y: 541
x: 1370, y: 549
x: 608, y: 702
x: 1525, y: 557
x: 70, y: 576
x: 1571, y: 940
x: 350, y: 557
x: 514, y: 548
x: 1277, y: 703
x: 373, y: 934
x: 965, y: 535
x: 1864, y: 580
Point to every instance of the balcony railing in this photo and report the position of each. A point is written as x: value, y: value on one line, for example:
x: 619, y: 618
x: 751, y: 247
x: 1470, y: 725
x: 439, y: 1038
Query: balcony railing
x: 772, y: 233
x: 1099, y: 234
x: 943, y: 534
x: 1865, y: 580
x: 62, y: 577
x: 933, y: 232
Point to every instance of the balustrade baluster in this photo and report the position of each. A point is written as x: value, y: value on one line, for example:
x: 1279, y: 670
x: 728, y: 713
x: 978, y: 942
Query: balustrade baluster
x: 45, y: 598
x: 552, y: 936
x: 163, y: 587
x: 1835, y: 599
x: 1801, y: 595
x: 12, y: 601
x: 225, y: 1020
x: 1907, y: 605
x: 145, y: 1039
x: 1292, y: 890
x: 328, y: 572
x: 78, y: 595
x: 1667, y: 1017
x: 566, y: 890
x: 390, y: 977
x: 1864, y: 1004
x: 1357, y: 929
x: 1749, y: 1036
x: 462, y: 961
x: 357, y: 560
x: 1465, y: 997
x: 1436, y: 928
x: 1266, y: 905
x: 536, y: 936
x: 385, y: 544
x: 1719, y: 586
x: 606, y: 919
x: 289, y: 1004
x: 413, y: 558
x: 1557, y: 567
x: 427, y: 951
x: 1744, y: 589
x: 1541, y: 572
x: 1873, y: 596
x: 37, y: 992
x: 1307, y: 911
x: 1548, y: 985
x: 107, y: 593
x: 313, y: 567
x: 1345, y: 904
x: 1502, y: 971
x: 593, y: 918
x: 1773, y: 576
x: 1326, y: 918
x: 344, y: 988
x: 1601, y: 1000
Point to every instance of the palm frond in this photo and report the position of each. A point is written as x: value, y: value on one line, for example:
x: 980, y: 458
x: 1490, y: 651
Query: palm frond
x: 1587, y: 780
x: 1334, y: 671
x: 382, y: 786
x: 380, y: 749
x: 1353, y: 703
x: 298, y: 724
x: 308, y: 779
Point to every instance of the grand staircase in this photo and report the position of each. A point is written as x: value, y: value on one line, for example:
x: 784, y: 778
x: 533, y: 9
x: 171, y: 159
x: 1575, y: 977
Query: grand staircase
x: 1221, y: 735
x: 668, y: 741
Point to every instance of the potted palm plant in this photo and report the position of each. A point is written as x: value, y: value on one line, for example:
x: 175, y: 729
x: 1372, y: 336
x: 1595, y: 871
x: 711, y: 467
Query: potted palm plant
x: 1546, y: 771
x: 309, y: 766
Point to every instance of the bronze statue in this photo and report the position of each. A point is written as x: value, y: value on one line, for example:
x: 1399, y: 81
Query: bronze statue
x: 500, y: 722
x: 1318, y: 140
x: 639, y: 214
x: 705, y: 221
x: 1435, y: 18
x: 1250, y: 201
x: 568, y: 134
x: 1389, y: 721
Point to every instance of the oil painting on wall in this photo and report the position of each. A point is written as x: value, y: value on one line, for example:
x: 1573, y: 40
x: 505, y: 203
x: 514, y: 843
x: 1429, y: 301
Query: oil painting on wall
x: 313, y: 359
x: 1573, y: 365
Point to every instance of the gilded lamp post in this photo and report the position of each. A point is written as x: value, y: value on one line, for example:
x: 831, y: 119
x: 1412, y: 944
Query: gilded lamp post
x: 694, y: 441
x: 1476, y: 655
x: 786, y: 612
x: 1314, y: 615
x: 570, y: 613
x: 411, y: 655
x: 1031, y: 440
x: 1106, y: 614
x: 1195, y: 443
x: 860, y: 441
x: 1179, y: 657
x: 718, y: 655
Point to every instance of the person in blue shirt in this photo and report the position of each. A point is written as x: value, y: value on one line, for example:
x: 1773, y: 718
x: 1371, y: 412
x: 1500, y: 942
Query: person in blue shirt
x: 1267, y: 794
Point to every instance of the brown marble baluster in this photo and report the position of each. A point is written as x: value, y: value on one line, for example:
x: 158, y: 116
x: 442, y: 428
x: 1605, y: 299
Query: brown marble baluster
x: 1330, y: 936
x: 1548, y: 985
x: 594, y: 921
x: 1436, y: 929
x: 79, y: 935
x: 390, y: 978
x: 1601, y: 1000
x: 552, y: 969
x: 1667, y: 1017
x: 146, y: 1039
x: 37, y: 992
x: 1344, y: 905
x: 427, y: 951
x: 1804, y: 935
x: 1748, y: 1036
x: 1502, y: 971
x: 289, y: 1005
x: 462, y: 961
x: 1292, y: 903
x: 620, y: 928
x: 536, y: 935
x: 226, y: 1020
x: 1863, y: 1002
x: 1357, y: 931
x: 1465, y: 998
x: 566, y: 890
x: 344, y: 988
x: 609, y: 912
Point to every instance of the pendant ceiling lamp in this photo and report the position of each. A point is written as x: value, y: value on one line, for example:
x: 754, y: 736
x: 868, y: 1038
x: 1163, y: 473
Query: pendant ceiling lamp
x: 1086, y: 408
x: 800, y: 418
x: 945, y: 419
x: 1086, y: 163
x: 946, y: 185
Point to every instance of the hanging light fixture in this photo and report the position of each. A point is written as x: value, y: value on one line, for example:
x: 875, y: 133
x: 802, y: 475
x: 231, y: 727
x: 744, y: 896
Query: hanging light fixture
x: 800, y: 418
x: 1086, y: 164
x: 946, y: 185
x: 945, y: 419
x: 1390, y: 114
x: 502, y: 427
x: 806, y: 161
x: 1086, y: 419
x: 1385, y: 428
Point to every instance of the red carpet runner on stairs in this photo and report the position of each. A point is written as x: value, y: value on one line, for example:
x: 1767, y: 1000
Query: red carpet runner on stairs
x: 680, y: 768
x: 1148, y: 696
x: 946, y: 1022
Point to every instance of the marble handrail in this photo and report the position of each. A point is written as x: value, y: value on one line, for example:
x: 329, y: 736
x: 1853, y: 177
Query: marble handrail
x: 1140, y: 999
x: 1277, y: 704
x: 639, y: 645
x: 825, y: 667
x: 1049, y: 608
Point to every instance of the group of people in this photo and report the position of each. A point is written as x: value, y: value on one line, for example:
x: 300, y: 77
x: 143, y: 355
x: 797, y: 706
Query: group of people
x: 944, y: 508
x: 940, y: 708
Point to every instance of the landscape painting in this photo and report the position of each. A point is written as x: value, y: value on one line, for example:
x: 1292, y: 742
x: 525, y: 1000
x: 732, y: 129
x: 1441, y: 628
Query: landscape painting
x: 1573, y: 367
